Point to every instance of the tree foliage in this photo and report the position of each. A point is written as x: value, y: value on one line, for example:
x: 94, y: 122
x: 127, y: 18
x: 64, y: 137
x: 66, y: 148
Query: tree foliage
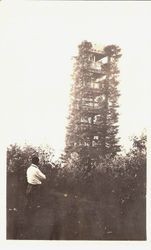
x: 19, y: 158
x: 103, y: 202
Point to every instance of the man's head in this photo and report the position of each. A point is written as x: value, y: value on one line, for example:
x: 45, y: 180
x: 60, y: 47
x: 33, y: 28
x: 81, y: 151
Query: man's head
x: 35, y: 160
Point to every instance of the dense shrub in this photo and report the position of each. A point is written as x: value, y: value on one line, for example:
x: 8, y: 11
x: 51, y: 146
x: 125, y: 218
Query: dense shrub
x: 99, y: 202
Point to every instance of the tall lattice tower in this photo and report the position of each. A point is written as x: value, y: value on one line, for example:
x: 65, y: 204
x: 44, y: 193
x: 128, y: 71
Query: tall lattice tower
x: 92, y: 128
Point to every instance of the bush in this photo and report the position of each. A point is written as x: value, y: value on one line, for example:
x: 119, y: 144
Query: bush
x: 105, y: 201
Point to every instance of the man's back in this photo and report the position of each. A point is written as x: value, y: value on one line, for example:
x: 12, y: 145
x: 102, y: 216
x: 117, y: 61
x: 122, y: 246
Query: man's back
x: 34, y: 175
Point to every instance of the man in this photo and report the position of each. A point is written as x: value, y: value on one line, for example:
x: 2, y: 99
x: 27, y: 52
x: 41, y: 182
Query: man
x: 34, y: 195
x: 34, y: 178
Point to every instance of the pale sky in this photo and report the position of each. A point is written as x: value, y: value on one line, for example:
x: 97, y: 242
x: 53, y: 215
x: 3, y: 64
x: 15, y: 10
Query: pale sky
x: 37, y: 42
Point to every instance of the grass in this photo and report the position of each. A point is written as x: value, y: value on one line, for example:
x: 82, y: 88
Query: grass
x: 100, y: 207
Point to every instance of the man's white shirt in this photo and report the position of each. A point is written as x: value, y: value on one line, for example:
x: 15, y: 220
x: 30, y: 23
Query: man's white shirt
x: 34, y: 175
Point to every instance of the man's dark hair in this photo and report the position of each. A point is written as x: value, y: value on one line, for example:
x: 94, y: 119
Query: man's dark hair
x: 35, y: 160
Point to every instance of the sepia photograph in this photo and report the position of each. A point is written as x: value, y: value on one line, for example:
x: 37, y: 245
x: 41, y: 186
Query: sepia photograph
x: 74, y: 96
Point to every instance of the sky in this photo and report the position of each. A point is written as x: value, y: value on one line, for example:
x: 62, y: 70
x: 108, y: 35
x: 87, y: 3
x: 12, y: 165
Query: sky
x: 38, y: 41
